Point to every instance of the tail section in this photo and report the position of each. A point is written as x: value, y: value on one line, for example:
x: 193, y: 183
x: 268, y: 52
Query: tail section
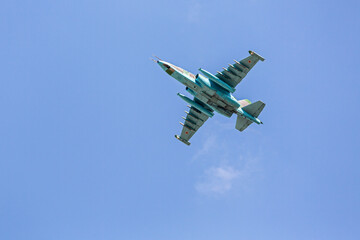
x: 248, y: 113
x: 244, y: 102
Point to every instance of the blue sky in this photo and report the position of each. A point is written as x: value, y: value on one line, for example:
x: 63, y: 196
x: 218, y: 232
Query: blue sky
x: 87, y: 147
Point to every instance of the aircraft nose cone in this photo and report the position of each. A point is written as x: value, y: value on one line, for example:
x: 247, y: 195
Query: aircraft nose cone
x: 160, y: 63
x: 165, y: 66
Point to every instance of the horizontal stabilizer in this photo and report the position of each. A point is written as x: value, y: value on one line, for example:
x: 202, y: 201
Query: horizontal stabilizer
x: 255, y: 108
x: 242, y: 123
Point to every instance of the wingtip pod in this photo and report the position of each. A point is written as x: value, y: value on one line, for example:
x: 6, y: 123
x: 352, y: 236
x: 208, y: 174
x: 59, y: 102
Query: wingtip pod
x: 183, y: 140
x: 254, y: 53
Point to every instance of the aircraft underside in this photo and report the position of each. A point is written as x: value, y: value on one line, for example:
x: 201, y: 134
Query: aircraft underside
x: 214, y: 93
x: 220, y: 106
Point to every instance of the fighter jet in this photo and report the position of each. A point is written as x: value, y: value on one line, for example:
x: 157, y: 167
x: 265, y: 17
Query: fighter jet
x: 214, y: 93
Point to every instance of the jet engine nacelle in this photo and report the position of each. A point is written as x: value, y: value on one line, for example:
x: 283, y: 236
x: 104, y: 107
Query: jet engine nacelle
x: 205, y: 84
x: 203, y: 81
x: 217, y: 80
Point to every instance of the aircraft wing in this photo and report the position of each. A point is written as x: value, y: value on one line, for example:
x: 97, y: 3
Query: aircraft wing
x: 193, y: 121
x: 236, y: 72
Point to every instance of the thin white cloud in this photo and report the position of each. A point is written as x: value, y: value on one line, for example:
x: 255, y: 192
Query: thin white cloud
x: 217, y: 180
x: 208, y: 145
x: 229, y: 166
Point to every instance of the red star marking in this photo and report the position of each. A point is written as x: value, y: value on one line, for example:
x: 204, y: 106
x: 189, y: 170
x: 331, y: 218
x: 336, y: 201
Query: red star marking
x: 249, y: 61
x: 186, y: 132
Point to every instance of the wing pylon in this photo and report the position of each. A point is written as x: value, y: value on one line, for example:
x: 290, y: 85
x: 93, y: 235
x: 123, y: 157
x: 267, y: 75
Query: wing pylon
x: 193, y: 121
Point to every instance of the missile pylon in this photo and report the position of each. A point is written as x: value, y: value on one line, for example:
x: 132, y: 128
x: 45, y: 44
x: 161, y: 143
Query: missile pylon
x: 196, y: 105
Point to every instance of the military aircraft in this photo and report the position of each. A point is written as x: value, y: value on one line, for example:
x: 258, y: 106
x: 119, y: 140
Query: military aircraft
x: 214, y: 93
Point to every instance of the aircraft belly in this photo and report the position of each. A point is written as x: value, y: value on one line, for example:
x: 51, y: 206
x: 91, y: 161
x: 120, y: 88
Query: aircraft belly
x: 217, y: 103
x: 216, y: 99
x: 213, y: 93
x: 202, y: 98
x: 223, y: 111
x: 220, y: 103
